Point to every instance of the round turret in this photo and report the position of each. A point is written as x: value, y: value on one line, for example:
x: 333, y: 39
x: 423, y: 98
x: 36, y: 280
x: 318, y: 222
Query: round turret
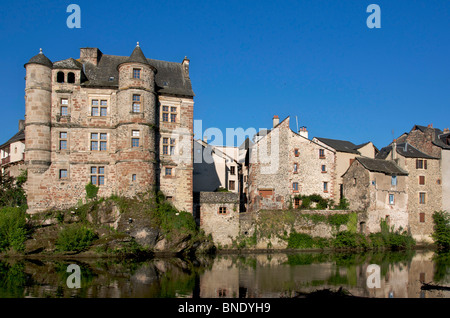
x: 38, y: 90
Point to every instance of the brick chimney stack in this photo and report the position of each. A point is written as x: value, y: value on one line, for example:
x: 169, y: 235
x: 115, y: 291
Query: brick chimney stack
x: 276, y: 121
x: 303, y: 132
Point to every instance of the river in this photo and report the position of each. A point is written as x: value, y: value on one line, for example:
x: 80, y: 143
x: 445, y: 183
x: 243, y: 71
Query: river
x: 382, y: 275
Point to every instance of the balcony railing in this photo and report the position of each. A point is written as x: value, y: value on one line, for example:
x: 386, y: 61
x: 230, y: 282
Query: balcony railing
x: 6, y: 160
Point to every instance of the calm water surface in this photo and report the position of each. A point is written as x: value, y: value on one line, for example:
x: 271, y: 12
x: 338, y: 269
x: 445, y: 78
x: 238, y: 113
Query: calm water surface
x: 231, y: 276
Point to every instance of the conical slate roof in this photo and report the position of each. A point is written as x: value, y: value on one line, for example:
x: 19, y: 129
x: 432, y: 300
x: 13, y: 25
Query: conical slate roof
x: 41, y: 59
x: 137, y: 56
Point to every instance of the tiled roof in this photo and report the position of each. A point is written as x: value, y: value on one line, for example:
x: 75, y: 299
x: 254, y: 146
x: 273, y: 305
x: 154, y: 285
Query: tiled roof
x: 405, y: 150
x: 341, y: 145
x: 20, y: 135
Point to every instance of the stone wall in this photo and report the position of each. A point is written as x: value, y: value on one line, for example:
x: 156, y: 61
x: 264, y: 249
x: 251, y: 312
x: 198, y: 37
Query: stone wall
x: 219, y: 216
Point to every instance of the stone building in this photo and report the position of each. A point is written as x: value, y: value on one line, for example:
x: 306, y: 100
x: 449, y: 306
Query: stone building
x: 216, y: 167
x: 378, y: 188
x: 284, y: 164
x: 12, y: 153
x: 346, y: 152
x: 124, y: 123
x: 435, y: 143
x: 423, y: 185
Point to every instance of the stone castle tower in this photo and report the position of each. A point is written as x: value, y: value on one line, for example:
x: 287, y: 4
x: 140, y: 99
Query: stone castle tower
x: 122, y: 123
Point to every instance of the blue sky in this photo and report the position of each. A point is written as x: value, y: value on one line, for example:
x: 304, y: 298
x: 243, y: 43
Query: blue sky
x: 251, y: 60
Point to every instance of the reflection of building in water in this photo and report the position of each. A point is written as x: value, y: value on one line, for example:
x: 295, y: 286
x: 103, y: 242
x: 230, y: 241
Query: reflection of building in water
x: 222, y: 281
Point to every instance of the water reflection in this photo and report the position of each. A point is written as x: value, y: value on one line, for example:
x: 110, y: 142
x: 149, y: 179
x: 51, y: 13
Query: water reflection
x: 401, y: 275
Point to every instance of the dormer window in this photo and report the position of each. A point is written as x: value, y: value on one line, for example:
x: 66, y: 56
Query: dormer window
x: 136, y: 73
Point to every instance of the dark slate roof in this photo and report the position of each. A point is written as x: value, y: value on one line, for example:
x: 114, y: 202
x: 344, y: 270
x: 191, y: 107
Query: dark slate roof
x: 170, y: 77
x: 40, y: 59
x: 380, y: 165
x: 20, y: 135
x: 246, y: 144
x: 137, y: 56
x: 442, y: 141
x: 69, y: 63
x: 340, y: 145
x: 405, y: 150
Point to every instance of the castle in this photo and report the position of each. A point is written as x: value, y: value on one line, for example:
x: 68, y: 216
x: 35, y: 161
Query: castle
x: 123, y: 123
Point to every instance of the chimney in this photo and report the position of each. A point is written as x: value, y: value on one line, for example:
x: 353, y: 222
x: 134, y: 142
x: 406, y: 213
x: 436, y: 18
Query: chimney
x: 185, y: 64
x: 394, y: 150
x: 430, y: 126
x: 446, y: 131
x: 303, y: 132
x: 90, y: 54
x: 276, y: 121
x: 21, y: 124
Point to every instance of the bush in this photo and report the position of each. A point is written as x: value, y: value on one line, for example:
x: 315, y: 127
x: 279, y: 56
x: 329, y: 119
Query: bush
x: 91, y: 191
x: 301, y: 240
x: 13, y: 228
x: 11, y: 191
x: 441, y: 234
x: 75, y: 238
x: 347, y: 239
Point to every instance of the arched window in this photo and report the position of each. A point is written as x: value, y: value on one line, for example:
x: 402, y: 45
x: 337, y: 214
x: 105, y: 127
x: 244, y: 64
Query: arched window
x: 71, y: 78
x: 60, y: 77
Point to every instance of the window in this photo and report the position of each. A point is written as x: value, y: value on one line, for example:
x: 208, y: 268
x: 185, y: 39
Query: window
x: 394, y: 180
x: 422, y: 197
x: 391, y: 199
x: 103, y: 108
x: 136, y: 73
x: 60, y: 77
x: 233, y: 170
x: 422, y: 217
x: 421, y: 164
x: 168, y: 171
x: 94, y: 107
x: 63, y: 140
x: 165, y: 146
x: 71, y: 77
x: 223, y: 210
x: 231, y: 185
x: 63, y: 173
x: 133, y: 177
x: 321, y: 153
x: 421, y: 180
x: 324, y: 169
x: 169, y: 148
x: 135, y: 138
x: 169, y: 113
x: 295, y: 168
x: 173, y: 114
x: 295, y: 186
x: 296, y: 152
x: 438, y: 181
x: 64, y: 107
x: 98, y: 175
x: 99, y: 144
x: 136, y: 103
x: 325, y: 187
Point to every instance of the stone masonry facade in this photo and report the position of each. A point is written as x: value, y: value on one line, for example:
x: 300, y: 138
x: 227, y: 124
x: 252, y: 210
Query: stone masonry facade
x: 122, y: 123
x: 284, y: 164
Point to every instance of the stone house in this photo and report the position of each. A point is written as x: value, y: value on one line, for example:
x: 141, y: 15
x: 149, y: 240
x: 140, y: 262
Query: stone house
x: 124, y: 123
x: 346, y: 152
x: 423, y: 185
x: 12, y: 153
x: 435, y: 143
x: 284, y: 164
x: 378, y: 188
x: 216, y: 167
